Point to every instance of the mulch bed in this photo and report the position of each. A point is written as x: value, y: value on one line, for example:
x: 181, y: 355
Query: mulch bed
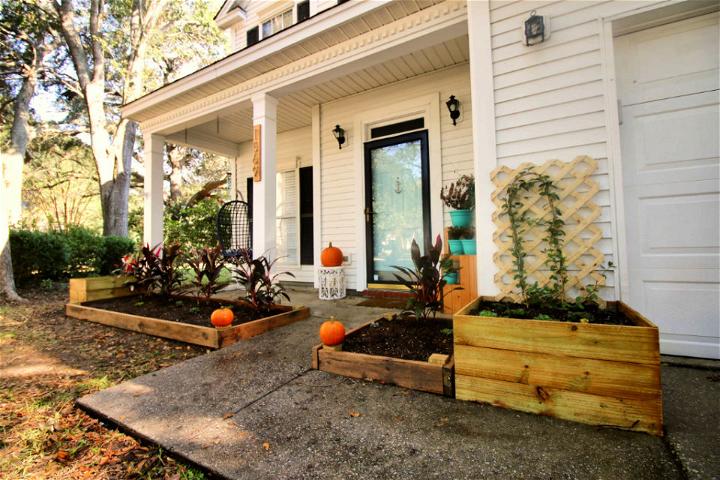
x: 403, y: 337
x: 594, y: 314
x: 177, y: 310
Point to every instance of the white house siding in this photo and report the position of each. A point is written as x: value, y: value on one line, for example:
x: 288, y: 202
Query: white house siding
x: 294, y: 150
x: 259, y: 11
x: 549, y: 98
x: 341, y: 189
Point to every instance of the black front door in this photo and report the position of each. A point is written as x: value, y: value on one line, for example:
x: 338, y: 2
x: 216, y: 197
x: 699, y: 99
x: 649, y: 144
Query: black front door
x: 397, y: 202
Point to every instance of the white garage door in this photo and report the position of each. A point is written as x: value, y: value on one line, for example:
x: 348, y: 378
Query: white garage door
x: 668, y: 91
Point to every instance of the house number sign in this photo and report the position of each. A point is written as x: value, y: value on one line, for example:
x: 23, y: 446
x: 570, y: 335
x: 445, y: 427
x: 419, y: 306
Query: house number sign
x: 257, y: 155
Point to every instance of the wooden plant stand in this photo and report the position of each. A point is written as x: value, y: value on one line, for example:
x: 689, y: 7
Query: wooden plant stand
x: 591, y: 373
x: 88, y: 289
x: 434, y: 377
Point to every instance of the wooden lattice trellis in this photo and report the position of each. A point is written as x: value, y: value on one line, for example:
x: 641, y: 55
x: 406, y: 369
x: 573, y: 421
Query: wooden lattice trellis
x: 577, y: 190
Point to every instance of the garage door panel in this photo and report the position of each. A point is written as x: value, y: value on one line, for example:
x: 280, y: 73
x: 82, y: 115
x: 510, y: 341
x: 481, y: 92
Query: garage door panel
x: 670, y: 61
x: 681, y: 307
x: 670, y: 145
x: 680, y: 225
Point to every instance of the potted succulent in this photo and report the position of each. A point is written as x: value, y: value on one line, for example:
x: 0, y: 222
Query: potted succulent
x: 449, y: 270
x: 460, y: 197
x: 467, y: 239
x: 455, y: 235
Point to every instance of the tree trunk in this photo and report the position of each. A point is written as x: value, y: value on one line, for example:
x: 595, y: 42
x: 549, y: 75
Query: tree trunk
x: 7, y: 281
x: 14, y: 157
x: 175, y: 156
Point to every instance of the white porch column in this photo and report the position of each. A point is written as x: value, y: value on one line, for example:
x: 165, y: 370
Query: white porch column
x: 264, y: 209
x: 153, y: 185
x: 484, y: 145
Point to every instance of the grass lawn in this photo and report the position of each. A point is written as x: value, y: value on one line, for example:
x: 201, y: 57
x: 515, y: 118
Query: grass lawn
x: 46, y: 362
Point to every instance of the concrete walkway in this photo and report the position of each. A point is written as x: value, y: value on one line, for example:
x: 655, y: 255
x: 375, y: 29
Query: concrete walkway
x: 256, y: 410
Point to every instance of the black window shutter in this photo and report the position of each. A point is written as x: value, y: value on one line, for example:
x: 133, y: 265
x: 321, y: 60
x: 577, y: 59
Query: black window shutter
x: 253, y: 36
x: 307, y: 256
x: 303, y: 11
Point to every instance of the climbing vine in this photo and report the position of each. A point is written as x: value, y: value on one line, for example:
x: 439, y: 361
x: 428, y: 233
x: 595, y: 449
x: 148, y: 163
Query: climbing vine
x: 526, y: 181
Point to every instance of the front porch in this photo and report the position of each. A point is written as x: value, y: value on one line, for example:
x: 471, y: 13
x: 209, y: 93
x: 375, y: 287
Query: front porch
x: 310, y: 192
x: 257, y: 410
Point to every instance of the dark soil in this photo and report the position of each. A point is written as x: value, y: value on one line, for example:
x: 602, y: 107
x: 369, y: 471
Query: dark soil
x: 402, y: 337
x: 178, y: 310
x: 593, y: 313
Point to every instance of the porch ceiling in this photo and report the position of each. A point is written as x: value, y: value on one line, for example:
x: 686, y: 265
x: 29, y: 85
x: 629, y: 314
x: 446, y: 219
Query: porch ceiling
x: 294, y: 110
x: 231, y: 70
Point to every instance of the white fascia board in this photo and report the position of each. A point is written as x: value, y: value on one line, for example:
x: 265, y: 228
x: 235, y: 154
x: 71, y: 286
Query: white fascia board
x: 236, y: 15
x: 284, y: 39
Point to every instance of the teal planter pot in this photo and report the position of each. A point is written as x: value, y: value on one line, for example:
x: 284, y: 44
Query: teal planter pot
x: 469, y: 246
x: 456, y: 247
x: 461, y: 218
x: 451, y: 278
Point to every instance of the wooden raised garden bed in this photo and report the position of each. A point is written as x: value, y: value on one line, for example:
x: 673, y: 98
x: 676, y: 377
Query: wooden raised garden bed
x: 591, y: 373
x: 434, y: 376
x: 91, y: 289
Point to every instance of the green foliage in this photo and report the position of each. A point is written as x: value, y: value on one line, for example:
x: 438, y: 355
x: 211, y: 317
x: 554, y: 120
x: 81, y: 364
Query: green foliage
x: 524, y: 182
x: 207, y: 264
x: 487, y: 313
x: 114, y: 249
x: 424, y: 281
x: 448, y: 265
x: 85, y: 250
x: 38, y: 255
x: 192, y: 226
x: 456, y: 233
x: 460, y: 195
x: 542, y: 316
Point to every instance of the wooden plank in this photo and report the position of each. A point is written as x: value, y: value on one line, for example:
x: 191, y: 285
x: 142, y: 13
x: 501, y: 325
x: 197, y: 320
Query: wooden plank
x: 97, y: 288
x: 183, y: 332
x: 631, y: 414
x: 598, y: 377
x: 262, y: 325
x: 404, y: 373
x: 620, y: 343
x: 448, y: 373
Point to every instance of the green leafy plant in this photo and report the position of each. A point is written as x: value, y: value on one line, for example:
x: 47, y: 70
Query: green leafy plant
x: 207, y: 264
x: 524, y: 182
x: 262, y: 287
x: 487, y: 313
x: 542, y: 316
x: 468, y: 233
x: 460, y: 195
x: 448, y: 265
x: 456, y: 233
x: 424, y: 281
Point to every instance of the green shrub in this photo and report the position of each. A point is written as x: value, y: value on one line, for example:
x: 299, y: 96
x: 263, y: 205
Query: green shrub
x: 114, y: 248
x: 38, y: 255
x: 86, y: 249
x: 191, y: 226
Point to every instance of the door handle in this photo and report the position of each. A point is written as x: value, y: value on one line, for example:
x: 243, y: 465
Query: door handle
x: 368, y: 214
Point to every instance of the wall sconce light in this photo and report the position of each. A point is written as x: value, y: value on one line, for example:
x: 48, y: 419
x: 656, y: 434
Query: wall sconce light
x: 535, y: 30
x: 339, y: 134
x: 454, y: 108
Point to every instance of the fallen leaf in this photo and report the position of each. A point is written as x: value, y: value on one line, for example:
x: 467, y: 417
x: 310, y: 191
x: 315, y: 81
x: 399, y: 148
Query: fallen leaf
x: 228, y: 415
x: 266, y: 446
x: 355, y: 414
x: 62, y: 456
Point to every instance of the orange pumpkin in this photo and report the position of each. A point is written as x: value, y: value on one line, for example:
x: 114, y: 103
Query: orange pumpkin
x: 222, y: 317
x: 332, y: 332
x: 331, y: 256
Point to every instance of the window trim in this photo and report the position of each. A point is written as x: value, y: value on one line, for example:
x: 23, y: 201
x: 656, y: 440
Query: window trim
x: 280, y: 15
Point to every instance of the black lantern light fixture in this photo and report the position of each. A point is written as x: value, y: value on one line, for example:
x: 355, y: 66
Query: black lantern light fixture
x: 454, y: 108
x: 534, y: 29
x: 339, y: 134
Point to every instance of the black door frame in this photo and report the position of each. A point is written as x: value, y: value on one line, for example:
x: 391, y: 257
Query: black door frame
x: 369, y: 216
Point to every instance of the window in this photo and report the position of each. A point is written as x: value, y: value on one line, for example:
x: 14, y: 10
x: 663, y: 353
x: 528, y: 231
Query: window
x: 277, y: 23
x: 294, y: 216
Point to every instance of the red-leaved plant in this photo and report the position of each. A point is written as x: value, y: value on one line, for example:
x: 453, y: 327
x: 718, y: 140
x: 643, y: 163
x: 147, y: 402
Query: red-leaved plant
x: 424, y: 281
x: 153, y: 270
x: 207, y: 263
x: 262, y: 288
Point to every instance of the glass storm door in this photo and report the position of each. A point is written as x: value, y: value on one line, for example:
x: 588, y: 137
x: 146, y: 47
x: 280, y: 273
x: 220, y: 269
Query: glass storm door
x: 397, y: 202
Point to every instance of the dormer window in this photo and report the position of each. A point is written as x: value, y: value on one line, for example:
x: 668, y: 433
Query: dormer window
x: 277, y: 23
